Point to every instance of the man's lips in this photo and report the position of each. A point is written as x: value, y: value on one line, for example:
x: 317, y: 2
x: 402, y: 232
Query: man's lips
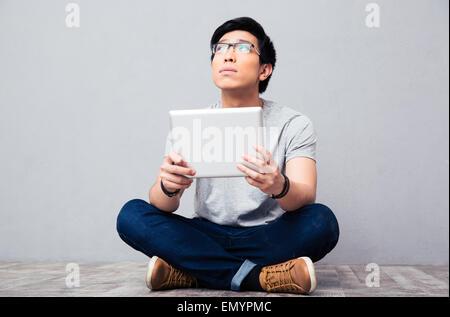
x: 227, y: 71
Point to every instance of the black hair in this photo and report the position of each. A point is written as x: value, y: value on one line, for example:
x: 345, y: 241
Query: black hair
x: 266, y: 48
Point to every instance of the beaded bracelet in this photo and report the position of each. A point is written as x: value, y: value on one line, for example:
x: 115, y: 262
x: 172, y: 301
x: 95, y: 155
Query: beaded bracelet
x: 285, y: 188
x: 169, y: 193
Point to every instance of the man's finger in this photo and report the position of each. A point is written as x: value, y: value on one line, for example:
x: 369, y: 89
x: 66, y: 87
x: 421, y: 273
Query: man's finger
x: 176, y: 158
x: 255, y: 175
x: 167, y: 183
x: 178, y: 179
x: 255, y: 161
x: 266, y: 154
x: 251, y: 181
x: 180, y: 170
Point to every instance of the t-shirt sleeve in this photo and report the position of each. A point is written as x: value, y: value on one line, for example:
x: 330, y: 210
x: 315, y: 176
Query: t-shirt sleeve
x: 300, y: 138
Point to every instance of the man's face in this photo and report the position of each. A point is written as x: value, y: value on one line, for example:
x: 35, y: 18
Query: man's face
x: 247, y: 70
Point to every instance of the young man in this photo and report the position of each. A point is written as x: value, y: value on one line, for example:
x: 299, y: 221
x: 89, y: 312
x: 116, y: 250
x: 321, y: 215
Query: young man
x: 261, y: 232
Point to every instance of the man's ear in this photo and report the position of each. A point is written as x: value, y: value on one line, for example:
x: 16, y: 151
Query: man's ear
x: 265, y: 71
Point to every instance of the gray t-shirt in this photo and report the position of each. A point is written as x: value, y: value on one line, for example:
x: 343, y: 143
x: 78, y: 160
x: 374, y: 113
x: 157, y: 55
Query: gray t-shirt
x: 234, y: 202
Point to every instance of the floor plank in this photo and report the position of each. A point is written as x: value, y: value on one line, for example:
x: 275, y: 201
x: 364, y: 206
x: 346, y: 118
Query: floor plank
x: 127, y: 279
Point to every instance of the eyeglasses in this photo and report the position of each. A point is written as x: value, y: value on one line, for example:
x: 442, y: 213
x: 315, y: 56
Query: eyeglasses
x: 240, y: 47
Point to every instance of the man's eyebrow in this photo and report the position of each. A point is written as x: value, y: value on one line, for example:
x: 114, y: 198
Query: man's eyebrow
x: 240, y: 40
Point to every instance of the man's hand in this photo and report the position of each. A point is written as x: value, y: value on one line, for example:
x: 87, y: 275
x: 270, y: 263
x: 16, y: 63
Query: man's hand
x: 172, y: 172
x: 272, y: 181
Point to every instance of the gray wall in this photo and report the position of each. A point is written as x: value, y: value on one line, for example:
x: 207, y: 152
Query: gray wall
x: 83, y: 117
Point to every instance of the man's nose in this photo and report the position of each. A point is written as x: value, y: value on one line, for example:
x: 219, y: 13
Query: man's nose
x: 230, y: 56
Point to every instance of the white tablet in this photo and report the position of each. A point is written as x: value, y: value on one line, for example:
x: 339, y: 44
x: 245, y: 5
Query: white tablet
x: 212, y: 141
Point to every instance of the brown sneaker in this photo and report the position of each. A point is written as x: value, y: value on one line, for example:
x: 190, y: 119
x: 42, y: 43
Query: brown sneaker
x: 293, y: 276
x: 161, y: 275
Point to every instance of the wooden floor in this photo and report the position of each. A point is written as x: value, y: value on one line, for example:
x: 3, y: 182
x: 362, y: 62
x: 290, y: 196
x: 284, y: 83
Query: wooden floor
x: 127, y: 279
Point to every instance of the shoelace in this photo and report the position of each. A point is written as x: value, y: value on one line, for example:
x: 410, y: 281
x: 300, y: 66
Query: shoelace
x: 279, y: 277
x: 180, y: 279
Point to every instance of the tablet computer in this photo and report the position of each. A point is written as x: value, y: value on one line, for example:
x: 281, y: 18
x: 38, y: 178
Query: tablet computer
x: 212, y: 141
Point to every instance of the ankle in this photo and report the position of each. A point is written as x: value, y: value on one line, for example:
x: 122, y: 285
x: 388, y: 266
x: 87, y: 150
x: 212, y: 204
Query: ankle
x: 252, y: 281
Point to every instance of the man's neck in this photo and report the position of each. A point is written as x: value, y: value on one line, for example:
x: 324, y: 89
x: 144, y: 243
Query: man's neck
x: 241, y: 100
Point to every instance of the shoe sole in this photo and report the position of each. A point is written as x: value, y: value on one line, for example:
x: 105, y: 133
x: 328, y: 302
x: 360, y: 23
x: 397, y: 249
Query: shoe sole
x: 312, y: 273
x: 148, y: 274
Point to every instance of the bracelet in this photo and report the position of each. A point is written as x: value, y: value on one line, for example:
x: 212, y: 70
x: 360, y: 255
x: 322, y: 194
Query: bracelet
x: 285, y: 188
x: 167, y: 192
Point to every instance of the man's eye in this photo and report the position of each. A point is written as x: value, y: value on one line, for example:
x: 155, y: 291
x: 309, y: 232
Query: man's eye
x: 243, y: 48
x: 222, y: 48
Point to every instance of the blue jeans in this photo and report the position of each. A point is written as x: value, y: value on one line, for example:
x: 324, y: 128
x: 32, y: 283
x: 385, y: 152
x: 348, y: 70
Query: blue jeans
x: 220, y: 257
